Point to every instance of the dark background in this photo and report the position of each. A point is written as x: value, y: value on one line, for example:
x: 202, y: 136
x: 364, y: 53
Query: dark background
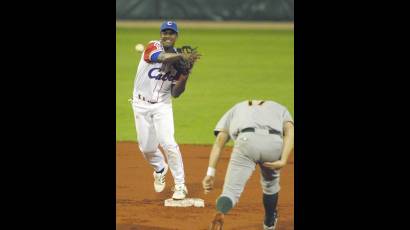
x: 212, y: 10
x: 345, y: 142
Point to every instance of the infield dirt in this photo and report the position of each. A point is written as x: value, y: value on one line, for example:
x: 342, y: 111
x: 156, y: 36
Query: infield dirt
x: 138, y: 207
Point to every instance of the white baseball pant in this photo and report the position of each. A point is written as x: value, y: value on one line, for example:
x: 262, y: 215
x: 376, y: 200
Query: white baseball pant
x: 155, y: 126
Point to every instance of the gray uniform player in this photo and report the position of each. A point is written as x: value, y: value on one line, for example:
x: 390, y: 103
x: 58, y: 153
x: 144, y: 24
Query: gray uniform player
x: 263, y: 135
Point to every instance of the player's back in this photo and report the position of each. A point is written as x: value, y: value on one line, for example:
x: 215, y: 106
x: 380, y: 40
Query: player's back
x: 259, y: 114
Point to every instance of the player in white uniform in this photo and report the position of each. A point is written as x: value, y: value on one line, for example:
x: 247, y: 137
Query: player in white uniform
x: 152, y: 107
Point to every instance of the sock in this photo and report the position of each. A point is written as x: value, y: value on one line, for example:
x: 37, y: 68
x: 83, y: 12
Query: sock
x: 160, y: 171
x: 224, y: 204
x: 270, y: 203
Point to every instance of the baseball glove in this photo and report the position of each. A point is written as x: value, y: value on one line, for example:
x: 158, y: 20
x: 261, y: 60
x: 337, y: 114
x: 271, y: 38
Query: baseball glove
x: 185, y: 64
x: 190, y: 56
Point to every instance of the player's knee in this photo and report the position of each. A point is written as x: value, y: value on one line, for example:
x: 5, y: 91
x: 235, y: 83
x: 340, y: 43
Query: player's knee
x: 232, y: 195
x: 224, y: 204
x: 170, y: 146
x: 167, y: 141
x: 147, y: 149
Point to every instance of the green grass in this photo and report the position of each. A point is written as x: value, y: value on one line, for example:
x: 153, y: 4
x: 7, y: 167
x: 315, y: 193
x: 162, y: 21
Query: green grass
x: 236, y: 65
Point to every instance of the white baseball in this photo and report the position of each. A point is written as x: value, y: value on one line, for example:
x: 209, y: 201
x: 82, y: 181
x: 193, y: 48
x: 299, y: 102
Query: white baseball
x: 139, y: 47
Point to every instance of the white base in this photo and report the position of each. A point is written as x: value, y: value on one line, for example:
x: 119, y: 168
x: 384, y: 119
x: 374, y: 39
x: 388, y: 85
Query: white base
x: 196, y: 202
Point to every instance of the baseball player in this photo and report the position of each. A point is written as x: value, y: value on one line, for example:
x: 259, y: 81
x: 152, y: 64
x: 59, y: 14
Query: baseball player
x: 152, y: 106
x: 263, y: 135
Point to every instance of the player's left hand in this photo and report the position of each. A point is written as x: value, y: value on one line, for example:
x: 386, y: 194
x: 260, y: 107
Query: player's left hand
x: 189, y: 54
x: 208, y: 184
x: 275, y: 165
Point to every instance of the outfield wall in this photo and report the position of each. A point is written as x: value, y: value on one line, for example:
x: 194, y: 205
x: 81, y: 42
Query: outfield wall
x: 215, y: 10
x: 197, y: 24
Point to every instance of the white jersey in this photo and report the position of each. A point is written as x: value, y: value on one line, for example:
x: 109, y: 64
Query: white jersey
x: 150, y: 83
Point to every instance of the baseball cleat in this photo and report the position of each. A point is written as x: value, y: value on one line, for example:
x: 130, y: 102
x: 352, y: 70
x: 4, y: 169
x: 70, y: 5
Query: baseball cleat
x: 159, y: 180
x: 217, y: 222
x: 180, y: 192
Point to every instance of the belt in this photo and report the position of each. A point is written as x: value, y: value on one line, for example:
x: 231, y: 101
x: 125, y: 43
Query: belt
x: 143, y: 98
x: 253, y: 130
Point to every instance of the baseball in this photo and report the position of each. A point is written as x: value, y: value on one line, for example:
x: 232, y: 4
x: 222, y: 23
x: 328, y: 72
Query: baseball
x: 139, y: 47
